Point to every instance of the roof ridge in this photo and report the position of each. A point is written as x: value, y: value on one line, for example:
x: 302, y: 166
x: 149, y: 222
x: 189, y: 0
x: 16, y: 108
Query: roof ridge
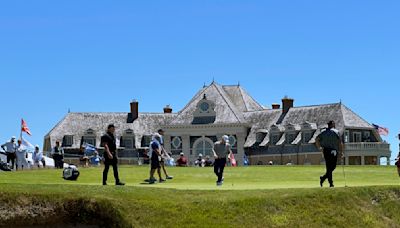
x: 309, y: 106
x: 194, y: 98
x: 226, y: 101
x: 252, y: 98
x: 58, y: 124
x: 241, y: 94
x: 344, y: 106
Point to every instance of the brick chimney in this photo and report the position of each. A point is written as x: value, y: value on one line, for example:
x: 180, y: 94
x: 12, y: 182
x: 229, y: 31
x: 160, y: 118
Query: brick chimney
x: 276, y: 106
x: 287, y: 103
x: 167, y: 109
x: 134, y: 114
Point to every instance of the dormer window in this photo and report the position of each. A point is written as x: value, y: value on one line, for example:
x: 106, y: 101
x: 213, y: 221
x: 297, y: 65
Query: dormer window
x: 129, y: 132
x: 204, y: 113
x: 90, y: 132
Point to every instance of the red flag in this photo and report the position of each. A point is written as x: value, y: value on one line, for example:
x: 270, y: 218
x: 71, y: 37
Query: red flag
x: 25, y: 128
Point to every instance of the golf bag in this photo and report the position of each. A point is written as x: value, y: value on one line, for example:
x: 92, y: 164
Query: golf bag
x: 71, y: 173
x: 4, y: 166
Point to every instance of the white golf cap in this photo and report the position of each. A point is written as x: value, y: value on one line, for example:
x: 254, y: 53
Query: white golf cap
x: 13, y: 137
x: 36, y: 146
x: 200, y: 155
x: 182, y: 154
x: 225, y: 138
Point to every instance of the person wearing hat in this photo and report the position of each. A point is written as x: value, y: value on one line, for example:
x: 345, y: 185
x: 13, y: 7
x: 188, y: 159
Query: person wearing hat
x: 199, y: 161
x: 330, y: 144
x: 164, y: 154
x: 155, y: 153
x: 182, y: 160
x: 221, y: 150
x: 38, y: 158
x: 110, y: 155
x: 10, y: 148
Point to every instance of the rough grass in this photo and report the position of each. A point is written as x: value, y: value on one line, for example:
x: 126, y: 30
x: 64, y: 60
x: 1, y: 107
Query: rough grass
x: 250, y: 197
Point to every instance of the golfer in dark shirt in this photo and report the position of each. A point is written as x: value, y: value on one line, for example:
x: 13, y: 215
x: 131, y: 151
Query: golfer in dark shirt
x: 110, y: 155
x: 221, y: 150
x: 330, y: 143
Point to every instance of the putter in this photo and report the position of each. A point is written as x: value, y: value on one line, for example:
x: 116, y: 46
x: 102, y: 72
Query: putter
x: 344, y: 174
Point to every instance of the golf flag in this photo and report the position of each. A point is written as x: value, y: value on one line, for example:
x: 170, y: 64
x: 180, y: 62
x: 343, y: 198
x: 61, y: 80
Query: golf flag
x: 381, y: 130
x: 233, y: 160
x: 24, y: 127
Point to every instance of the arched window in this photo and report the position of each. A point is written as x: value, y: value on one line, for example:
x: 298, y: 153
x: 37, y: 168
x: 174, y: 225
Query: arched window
x: 203, y: 146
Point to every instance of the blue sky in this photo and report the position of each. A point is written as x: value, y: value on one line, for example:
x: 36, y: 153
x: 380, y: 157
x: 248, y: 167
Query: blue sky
x: 90, y: 56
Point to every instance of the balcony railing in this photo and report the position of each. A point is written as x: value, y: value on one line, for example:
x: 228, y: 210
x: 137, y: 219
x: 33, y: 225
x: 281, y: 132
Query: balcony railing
x: 365, y: 146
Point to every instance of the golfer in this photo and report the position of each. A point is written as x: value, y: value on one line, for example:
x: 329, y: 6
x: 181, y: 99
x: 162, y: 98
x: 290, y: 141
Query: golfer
x: 110, y: 155
x: 221, y: 150
x: 330, y: 144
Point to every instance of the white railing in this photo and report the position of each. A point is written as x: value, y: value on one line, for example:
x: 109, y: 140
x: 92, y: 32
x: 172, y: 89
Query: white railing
x: 367, y: 146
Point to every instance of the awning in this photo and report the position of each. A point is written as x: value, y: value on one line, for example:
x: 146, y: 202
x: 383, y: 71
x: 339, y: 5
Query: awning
x: 297, y: 140
x: 251, y: 140
x: 312, y: 140
x: 282, y: 140
x: 265, y: 141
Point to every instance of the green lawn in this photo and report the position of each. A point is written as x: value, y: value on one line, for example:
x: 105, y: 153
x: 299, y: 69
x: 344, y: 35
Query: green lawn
x: 271, y: 196
x: 236, y: 178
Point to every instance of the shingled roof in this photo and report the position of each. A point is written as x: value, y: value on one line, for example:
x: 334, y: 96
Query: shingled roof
x: 230, y: 103
x: 77, y: 124
x: 316, y: 114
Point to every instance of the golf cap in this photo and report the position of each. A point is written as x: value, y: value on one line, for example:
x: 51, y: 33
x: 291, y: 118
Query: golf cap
x: 181, y: 154
x: 200, y: 155
x: 14, y: 137
x: 225, y: 138
x: 36, y: 146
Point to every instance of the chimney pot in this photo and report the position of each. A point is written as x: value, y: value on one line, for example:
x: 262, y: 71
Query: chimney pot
x: 167, y: 109
x: 276, y: 106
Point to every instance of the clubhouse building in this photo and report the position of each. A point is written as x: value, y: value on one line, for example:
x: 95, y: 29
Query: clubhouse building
x: 282, y: 134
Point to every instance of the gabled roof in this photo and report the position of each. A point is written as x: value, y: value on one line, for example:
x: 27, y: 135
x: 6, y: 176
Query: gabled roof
x: 227, y: 107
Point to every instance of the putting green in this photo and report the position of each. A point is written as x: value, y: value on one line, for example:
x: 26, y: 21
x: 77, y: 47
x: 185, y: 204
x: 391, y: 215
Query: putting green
x: 236, y: 178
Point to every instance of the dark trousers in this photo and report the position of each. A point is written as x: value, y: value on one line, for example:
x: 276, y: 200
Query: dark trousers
x: 219, y: 166
x: 11, y: 157
x: 114, y: 164
x: 330, y: 162
x: 58, y: 161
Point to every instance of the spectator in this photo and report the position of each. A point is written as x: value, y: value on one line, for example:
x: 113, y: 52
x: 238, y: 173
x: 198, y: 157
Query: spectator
x: 95, y: 160
x: 208, y: 162
x: 38, y: 158
x: 58, y: 156
x: 199, y: 161
x: 83, y: 158
x: 10, y: 148
x: 182, y: 161
x: 21, y: 155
